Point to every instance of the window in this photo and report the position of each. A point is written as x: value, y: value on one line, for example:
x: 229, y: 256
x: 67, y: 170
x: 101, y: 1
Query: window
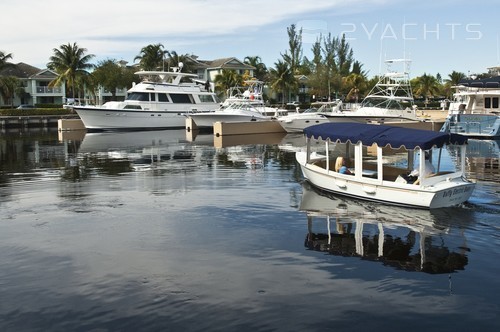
x: 140, y: 96
x: 181, y: 98
x: 487, y: 102
x: 206, y: 98
x: 163, y: 97
x: 495, y: 102
x: 152, y: 96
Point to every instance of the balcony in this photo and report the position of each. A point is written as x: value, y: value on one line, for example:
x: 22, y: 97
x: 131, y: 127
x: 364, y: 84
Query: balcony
x: 46, y: 90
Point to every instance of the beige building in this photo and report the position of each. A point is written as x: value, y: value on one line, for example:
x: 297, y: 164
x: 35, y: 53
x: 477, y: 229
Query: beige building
x: 35, y: 82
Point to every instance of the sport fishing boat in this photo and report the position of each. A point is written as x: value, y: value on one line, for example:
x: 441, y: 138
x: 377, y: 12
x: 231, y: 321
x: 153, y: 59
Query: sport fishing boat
x: 475, y: 109
x: 390, y: 100
x: 160, y: 101
x: 372, y: 174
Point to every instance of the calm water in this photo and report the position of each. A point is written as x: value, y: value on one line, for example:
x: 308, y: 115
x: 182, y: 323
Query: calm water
x: 154, y: 231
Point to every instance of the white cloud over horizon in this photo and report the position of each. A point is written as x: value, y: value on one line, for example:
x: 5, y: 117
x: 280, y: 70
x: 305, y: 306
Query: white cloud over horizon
x: 215, y: 29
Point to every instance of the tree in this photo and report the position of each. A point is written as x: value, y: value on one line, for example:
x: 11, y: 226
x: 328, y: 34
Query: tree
x: 112, y: 76
x: 227, y: 79
x: 356, y: 83
x: 260, y: 72
x: 71, y: 63
x: 455, y: 77
x: 344, y: 56
x: 426, y: 86
x: 9, y: 87
x: 175, y: 59
x: 281, y: 78
x: 151, y: 57
x: 3, y: 60
x: 294, y: 58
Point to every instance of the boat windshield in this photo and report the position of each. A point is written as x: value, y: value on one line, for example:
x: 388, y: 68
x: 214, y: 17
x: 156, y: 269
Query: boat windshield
x: 140, y: 96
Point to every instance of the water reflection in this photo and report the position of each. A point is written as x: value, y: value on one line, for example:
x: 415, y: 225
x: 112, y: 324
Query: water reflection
x: 483, y: 159
x: 412, y: 240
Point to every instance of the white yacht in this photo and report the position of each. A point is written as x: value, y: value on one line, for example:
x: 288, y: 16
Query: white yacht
x: 251, y: 93
x: 296, y: 122
x: 160, y: 101
x: 243, y: 104
x: 237, y: 112
x: 475, y: 110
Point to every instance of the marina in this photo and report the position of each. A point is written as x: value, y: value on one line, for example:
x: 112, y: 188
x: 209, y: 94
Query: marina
x: 157, y: 230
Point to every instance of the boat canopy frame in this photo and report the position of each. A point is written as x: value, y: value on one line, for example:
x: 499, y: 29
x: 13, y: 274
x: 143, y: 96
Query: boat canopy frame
x: 383, y: 135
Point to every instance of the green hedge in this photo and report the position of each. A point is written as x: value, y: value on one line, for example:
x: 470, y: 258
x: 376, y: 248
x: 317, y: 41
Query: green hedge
x: 36, y: 111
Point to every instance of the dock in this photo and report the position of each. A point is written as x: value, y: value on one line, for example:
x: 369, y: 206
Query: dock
x: 33, y: 121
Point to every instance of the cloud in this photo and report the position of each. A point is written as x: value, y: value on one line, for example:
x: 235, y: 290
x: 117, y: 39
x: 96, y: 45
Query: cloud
x: 118, y: 29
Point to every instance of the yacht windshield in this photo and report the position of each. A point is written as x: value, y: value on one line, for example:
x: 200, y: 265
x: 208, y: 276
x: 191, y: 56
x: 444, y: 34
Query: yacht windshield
x: 140, y: 96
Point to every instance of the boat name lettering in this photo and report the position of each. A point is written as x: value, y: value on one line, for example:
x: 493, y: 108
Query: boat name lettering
x: 456, y: 191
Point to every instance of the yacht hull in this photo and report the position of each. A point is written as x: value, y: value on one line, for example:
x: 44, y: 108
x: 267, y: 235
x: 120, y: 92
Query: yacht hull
x: 95, y: 118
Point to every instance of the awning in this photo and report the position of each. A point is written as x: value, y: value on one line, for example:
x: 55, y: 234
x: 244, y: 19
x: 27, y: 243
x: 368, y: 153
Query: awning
x: 383, y: 135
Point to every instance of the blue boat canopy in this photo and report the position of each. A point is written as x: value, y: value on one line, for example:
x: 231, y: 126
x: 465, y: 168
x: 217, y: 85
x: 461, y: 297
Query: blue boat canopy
x: 383, y: 135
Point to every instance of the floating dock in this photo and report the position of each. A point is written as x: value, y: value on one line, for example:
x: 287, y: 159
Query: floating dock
x: 239, y: 128
x: 33, y: 121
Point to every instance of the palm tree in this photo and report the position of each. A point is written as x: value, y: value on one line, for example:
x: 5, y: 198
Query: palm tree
x: 3, y: 60
x: 260, y: 68
x: 453, y: 80
x: 175, y: 59
x: 227, y: 79
x: 9, y: 87
x: 426, y: 86
x: 151, y: 57
x: 355, y: 83
x: 71, y: 63
x: 281, y: 78
x: 455, y: 77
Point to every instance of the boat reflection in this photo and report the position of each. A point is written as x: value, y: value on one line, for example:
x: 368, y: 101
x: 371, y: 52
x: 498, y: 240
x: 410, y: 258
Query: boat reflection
x: 483, y: 159
x: 140, y: 150
x: 412, y: 240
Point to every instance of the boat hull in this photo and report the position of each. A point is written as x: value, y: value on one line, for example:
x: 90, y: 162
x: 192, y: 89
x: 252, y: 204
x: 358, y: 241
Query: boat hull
x: 295, y: 125
x: 96, y: 119
x: 207, y: 120
x: 442, y: 194
x: 298, y: 124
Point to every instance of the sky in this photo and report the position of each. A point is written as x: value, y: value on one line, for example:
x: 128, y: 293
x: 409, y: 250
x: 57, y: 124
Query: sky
x: 439, y: 36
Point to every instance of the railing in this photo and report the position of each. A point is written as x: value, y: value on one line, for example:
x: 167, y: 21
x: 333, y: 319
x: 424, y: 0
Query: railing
x: 46, y: 89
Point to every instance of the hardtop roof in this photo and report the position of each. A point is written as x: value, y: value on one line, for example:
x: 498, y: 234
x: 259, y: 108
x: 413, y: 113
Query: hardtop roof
x: 383, y: 135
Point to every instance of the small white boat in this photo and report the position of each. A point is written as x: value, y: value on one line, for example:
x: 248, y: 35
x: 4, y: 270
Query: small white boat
x: 237, y: 112
x: 160, y: 101
x: 376, y: 176
x: 296, y: 122
x: 251, y: 93
x: 475, y: 110
x: 242, y: 105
